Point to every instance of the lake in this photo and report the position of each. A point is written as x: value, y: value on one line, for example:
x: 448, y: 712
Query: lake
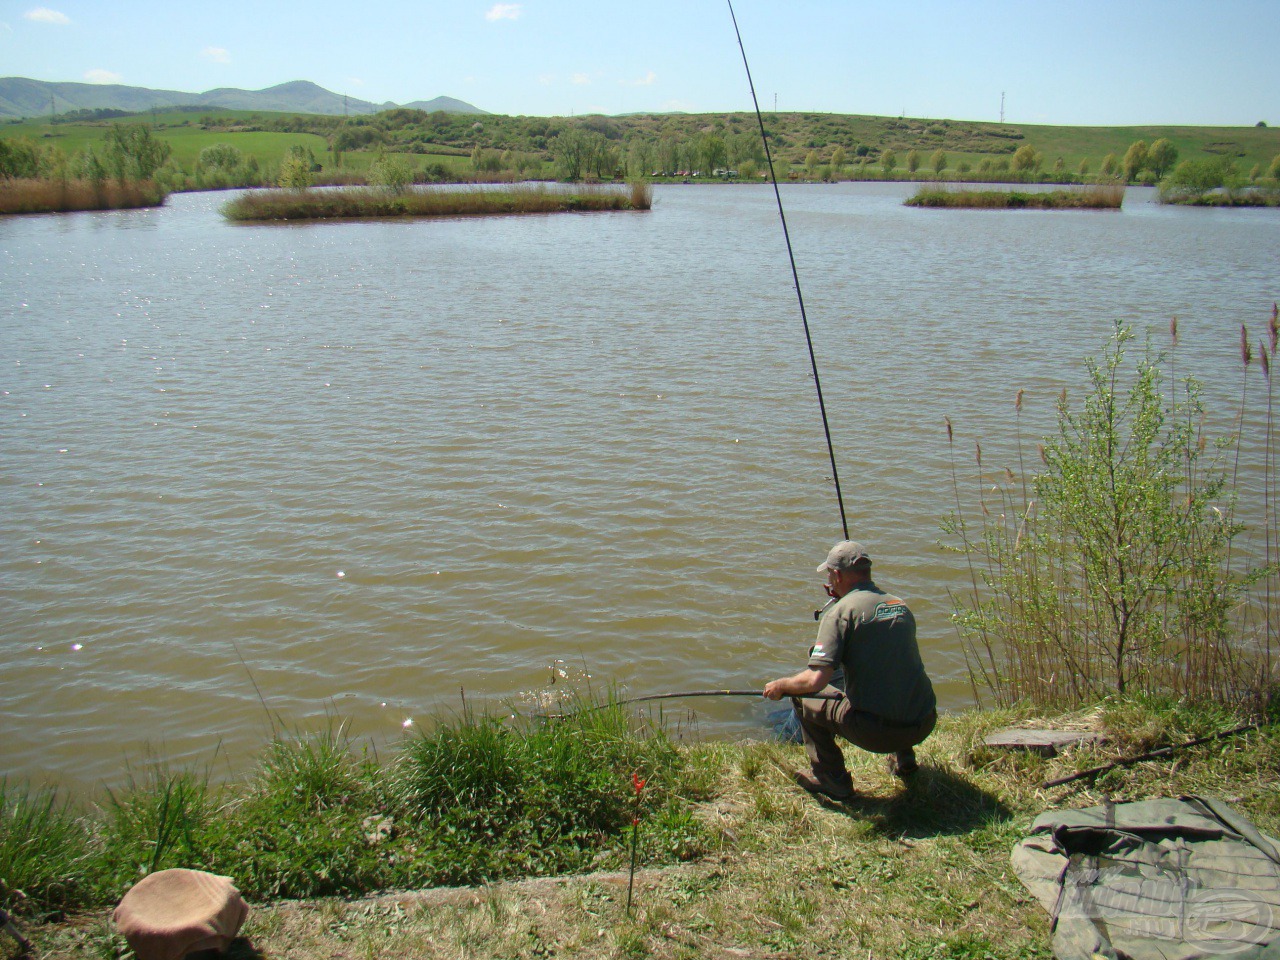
x: 355, y: 470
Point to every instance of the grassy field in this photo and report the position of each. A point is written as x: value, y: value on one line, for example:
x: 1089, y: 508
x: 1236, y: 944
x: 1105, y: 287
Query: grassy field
x: 916, y: 871
x: 448, y: 139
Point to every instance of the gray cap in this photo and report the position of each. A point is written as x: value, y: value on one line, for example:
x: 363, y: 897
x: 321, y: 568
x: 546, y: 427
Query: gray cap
x: 845, y: 555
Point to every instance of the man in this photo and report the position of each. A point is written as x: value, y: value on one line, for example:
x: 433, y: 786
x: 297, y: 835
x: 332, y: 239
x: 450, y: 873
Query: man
x: 888, y: 705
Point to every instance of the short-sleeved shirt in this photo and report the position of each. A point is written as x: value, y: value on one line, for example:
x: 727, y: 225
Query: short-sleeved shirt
x: 873, y: 636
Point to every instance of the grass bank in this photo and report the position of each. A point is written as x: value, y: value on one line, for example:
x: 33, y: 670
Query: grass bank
x: 63, y: 196
x: 1101, y: 197
x: 361, y: 203
x: 917, y: 871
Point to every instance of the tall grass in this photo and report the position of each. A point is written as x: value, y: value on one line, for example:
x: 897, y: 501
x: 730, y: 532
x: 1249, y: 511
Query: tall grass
x: 471, y: 798
x: 44, y: 851
x: 61, y: 196
x: 1092, y: 197
x: 428, y: 202
x: 1110, y: 568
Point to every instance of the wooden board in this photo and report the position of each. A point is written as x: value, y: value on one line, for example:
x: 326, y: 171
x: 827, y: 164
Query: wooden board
x: 1048, y: 742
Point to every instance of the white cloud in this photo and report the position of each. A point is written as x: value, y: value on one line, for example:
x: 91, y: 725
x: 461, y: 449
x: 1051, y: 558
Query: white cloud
x: 355, y: 81
x: 45, y: 15
x: 546, y: 79
x: 580, y: 79
x: 102, y: 76
x: 216, y: 54
x: 646, y: 81
x: 503, y: 11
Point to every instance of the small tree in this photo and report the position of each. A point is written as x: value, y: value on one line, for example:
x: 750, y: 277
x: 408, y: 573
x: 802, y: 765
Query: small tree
x: 1108, y: 168
x: 888, y: 160
x: 811, y: 162
x: 1161, y: 157
x: 572, y: 150
x: 295, y: 172
x: 131, y: 152
x: 837, y: 161
x: 393, y: 172
x: 913, y: 161
x: 1135, y: 160
x: 939, y: 161
x: 1026, y: 159
x: 1083, y: 169
x: 1273, y: 171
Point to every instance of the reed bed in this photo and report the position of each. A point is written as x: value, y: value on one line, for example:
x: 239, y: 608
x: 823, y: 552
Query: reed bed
x: 431, y: 202
x: 65, y: 196
x: 1095, y: 197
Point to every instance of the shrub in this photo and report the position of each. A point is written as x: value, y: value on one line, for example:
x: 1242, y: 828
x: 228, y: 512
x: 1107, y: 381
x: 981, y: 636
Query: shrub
x: 1109, y: 570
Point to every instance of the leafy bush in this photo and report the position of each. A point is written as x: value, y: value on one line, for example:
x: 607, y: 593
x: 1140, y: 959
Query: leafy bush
x: 1110, y: 570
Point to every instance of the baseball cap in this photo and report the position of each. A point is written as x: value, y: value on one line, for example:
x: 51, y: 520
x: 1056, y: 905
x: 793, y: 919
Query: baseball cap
x: 845, y: 555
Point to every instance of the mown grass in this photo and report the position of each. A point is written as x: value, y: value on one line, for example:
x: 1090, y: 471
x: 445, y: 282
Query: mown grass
x: 60, y: 196
x: 1097, y: 197
x: 917, y: 871
x: 358, y: 203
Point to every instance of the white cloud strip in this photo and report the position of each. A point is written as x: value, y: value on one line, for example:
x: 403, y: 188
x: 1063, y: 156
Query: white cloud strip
x: 216, y: 54
x: 45, y: 15
x: 503, y: 11
x: 102, y: 76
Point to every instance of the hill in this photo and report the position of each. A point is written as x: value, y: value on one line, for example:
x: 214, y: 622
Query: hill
x: 21, y: 97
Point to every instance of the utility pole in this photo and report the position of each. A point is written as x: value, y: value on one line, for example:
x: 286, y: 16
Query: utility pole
x: 53, y: 112
x: 775, y: 103
x: 1002, y: 106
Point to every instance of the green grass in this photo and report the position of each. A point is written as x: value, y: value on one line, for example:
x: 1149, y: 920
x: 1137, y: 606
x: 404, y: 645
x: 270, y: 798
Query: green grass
x: 900, y: 871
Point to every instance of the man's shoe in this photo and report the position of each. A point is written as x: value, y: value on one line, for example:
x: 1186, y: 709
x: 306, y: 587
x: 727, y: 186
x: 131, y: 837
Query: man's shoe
x: 828, y: 788
x: 902, y: 765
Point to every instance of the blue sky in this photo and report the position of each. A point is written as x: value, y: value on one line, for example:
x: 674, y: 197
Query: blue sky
x: 1084, y: 62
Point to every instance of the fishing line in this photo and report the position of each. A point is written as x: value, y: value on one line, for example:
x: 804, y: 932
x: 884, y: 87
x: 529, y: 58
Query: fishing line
x: 795, y: 275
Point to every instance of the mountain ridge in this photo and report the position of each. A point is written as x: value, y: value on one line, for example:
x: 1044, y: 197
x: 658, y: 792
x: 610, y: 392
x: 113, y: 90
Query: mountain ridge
x: 23, y: 97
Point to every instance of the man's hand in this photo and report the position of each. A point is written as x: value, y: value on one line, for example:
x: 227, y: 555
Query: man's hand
x: 801, y: 684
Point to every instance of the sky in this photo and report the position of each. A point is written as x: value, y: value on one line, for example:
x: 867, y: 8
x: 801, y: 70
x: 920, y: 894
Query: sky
x: 1122, y: 62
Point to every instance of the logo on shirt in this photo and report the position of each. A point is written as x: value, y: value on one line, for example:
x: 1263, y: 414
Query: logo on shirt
x: 889, y: 611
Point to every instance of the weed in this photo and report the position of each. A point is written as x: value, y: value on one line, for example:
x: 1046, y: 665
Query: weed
x: 44, y: 851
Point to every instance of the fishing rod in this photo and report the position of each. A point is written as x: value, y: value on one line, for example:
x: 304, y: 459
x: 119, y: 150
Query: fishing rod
x: 1159, y: 753
x: 795, y: 275
x: 820, y: 695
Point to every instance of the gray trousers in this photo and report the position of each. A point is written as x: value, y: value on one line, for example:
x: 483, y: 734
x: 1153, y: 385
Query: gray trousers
x: 822, y: 720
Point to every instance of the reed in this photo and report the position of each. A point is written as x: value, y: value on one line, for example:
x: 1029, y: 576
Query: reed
x: 1092, y: 197
x: 1110, y: 569
x: 272, y: 205
x: 64, y: 196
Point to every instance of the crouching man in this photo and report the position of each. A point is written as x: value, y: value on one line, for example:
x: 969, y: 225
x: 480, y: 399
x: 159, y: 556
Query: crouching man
x: 888, y: 704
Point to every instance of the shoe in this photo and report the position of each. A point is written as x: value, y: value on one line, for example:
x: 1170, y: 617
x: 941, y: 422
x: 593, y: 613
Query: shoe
x: 828, y: 788
x: 902, y: 765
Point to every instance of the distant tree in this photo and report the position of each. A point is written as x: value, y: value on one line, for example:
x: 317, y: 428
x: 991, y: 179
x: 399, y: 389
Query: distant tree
x: 393, y: 172
x: 572, y: 151
x: 1256, y: 172
x: 1161, y: 157
x: 1261, y: 123
x: 984, y: 165
x: 131, y: 152
x: 1026, y: 159
x: 668, y: 155
x: 748, y: 170
x: 888, y: 160
x: 1192, y: 179
x: 1273, y: 171
x: 295, y: 172
x: 712, y: 153
x: 1083, y: 169
x: 913, y: 161
x: 811, y: 162
x: 221, y: 156
x: 21, y: 158
x: 1059, y: 167
x: 837, y: 160
x: 1135, y: 160
x: 1108, y: 168
x: 862, y: 150
x: 964, y: 167
x: 939, y: 161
